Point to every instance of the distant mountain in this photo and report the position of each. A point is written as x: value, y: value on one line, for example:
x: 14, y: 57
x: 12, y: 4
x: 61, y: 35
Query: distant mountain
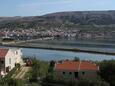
x: 9, y: 18
x: 60, y: 18
x: 85, y: 17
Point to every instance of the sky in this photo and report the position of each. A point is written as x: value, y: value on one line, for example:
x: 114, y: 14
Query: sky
x: 41, y: 7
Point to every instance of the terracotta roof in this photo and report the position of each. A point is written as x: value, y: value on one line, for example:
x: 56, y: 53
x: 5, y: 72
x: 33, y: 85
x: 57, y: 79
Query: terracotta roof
x: 3, y: 53
x: 88, y: 66
x: 76, y: 66
x: 68, y: 65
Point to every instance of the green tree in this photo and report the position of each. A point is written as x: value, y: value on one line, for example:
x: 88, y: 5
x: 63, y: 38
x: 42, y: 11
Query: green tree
x: 15, y: 82
x: 51, y: 72
x: 107, y: 71
x: 91, y: 83
x: 35, y: 70
x: 76, y: 59
x: 39, y: 70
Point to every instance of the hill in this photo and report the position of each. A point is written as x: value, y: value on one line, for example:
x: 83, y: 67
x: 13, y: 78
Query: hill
x: 73, y: 18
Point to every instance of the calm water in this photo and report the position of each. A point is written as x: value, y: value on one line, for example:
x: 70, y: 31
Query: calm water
x: 47, y: 55
x: 59, y: 55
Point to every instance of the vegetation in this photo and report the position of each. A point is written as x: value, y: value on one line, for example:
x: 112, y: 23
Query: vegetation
x: 39, y: 70
x: 76, y: 59
x: 107, y: 71
x: 91, y: 83
x: 7, y: 40
x: 10, y: 74
x: 51, y: 72
x: 9, y: 81
x: 83, y: 82
x: 44, y: 73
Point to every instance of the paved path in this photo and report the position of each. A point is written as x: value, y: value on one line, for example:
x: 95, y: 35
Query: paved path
x: 22, y: 73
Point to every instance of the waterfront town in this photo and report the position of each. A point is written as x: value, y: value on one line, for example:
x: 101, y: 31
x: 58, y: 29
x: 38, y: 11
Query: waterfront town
x: 76, y: 33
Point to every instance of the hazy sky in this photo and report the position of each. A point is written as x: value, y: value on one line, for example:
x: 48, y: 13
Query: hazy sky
x: 40, y: 7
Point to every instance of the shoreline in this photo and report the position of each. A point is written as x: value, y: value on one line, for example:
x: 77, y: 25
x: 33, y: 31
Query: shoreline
x: 62, y: 49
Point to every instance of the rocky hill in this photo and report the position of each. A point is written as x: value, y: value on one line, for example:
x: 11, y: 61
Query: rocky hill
x: 74, y: 18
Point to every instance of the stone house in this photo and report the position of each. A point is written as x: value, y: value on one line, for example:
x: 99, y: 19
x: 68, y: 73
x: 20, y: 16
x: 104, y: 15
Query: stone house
x: 76, y: 70
x: 8, y: 59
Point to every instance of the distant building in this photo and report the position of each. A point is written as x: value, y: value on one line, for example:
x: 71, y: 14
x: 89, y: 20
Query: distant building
x: 76, y: 70
x: 8, y: 59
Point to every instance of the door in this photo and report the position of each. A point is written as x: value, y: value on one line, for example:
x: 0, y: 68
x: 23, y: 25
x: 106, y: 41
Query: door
x: 76, y: 74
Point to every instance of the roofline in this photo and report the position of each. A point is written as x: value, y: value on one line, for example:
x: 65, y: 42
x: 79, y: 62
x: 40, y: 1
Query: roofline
x: 77, y: 69
x: 10, y: 48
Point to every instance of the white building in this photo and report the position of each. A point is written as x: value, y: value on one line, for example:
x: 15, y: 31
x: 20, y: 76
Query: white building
x: 8, y: 59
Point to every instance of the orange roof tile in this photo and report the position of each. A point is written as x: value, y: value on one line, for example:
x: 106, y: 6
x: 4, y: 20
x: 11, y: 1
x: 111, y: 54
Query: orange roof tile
x: 76, y: 66
x: 68, y: 65
x: 88, y: 66
x: 3, y: 53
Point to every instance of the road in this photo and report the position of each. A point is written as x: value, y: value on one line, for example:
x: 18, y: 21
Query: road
x: 22, y: 73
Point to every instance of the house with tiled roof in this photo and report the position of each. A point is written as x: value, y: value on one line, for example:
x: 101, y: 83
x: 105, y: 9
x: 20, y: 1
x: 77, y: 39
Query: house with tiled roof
x: 76, y: 70
x: 8, y: 59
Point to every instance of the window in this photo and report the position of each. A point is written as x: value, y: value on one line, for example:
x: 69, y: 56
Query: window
x: 9, y: 60
x: 63, y: 72
x: 2, y: 62
x: 83, y: 73
x: 70, y: 73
